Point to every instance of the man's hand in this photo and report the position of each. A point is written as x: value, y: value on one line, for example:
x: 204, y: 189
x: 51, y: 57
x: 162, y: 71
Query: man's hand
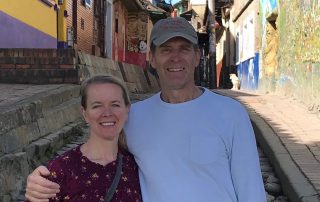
x: 38, y: 188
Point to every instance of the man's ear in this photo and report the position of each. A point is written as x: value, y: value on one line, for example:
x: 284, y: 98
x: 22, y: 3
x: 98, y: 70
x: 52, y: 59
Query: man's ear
x: 197, y: 57
x: 152, y: 60
x: 152, y: 66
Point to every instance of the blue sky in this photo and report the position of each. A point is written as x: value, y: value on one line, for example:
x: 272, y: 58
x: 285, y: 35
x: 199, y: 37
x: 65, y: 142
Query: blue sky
x: 168, y: 1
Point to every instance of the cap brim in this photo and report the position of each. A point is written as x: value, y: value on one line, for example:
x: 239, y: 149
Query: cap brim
x: 165, y: 37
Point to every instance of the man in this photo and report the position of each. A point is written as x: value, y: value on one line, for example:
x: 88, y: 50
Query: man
x: 190, y: 144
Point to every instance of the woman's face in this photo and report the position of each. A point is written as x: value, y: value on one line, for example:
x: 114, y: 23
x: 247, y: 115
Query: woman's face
x: 106, y: 112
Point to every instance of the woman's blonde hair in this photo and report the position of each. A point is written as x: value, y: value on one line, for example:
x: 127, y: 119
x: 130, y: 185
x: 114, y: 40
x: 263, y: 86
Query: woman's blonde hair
x: 106, y: 79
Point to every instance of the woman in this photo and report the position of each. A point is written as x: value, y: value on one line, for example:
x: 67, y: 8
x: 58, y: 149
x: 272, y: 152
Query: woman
x: 87, y: 172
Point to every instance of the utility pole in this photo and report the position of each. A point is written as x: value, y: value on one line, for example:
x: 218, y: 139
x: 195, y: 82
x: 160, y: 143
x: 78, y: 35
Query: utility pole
x: 212, y: 45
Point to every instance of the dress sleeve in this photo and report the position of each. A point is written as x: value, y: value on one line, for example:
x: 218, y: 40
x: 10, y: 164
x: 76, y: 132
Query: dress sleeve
x: 57, y: 175
x: 245, y: 166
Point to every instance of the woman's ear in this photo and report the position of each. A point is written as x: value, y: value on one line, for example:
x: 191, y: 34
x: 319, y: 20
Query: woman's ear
x: 83, y: 112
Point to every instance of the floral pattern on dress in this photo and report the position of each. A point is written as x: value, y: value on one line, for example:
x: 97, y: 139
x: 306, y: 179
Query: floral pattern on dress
x: 82, y: 180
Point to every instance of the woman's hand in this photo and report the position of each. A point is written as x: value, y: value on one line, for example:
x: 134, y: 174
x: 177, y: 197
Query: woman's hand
x: 39, y: 189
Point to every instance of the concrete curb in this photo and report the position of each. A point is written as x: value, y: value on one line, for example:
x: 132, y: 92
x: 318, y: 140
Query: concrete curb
x: 295, y: 185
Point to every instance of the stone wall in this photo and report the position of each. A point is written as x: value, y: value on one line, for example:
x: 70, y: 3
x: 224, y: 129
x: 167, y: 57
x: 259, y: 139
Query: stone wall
x: 31, y: 130
x: 137, y: 79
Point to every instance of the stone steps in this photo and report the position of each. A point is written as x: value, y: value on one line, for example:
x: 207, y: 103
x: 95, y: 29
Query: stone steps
x: 59, y: 116
x: 53, y: 146
x: 15, y: 167
x: 32, y: 130
x: 28, y: 120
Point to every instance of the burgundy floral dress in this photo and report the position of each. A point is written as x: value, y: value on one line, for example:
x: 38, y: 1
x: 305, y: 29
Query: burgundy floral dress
x: 83, y: 180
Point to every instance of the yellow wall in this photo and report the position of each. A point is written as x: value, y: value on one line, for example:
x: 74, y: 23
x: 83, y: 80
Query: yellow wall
x: 62, y: 23
x: 32, y: 12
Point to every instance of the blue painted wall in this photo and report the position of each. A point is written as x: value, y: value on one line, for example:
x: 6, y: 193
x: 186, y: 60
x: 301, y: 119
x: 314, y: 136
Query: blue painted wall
x: 248, y: 73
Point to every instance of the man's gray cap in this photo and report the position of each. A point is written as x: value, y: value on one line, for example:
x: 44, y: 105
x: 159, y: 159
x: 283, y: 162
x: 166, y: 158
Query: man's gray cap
x: 168, y: 28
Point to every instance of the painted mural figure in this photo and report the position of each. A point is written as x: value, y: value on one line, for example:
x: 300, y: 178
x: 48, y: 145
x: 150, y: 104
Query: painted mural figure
x: 142, y: 46
x: 190, y: 144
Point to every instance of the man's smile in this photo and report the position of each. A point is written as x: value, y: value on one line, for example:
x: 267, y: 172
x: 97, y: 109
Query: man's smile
x: 176, y: 69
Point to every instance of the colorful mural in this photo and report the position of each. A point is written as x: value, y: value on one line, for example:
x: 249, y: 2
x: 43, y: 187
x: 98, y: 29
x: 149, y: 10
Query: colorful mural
x: 136, y: 38
x: 267, y: 7
x: 129, y: 35
x: 269, y: 44
x: 299, y: 48
x: 291, y: 29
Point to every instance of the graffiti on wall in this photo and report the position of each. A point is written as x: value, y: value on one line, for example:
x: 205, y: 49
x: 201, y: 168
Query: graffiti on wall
x: 304, y: 41
x: 269, y: 43
x: 137, y: 31
x: 299, y: 48
x: 267, y: 7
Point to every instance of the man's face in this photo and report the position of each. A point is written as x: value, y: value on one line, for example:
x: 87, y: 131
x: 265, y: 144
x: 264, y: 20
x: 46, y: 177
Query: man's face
x: 175, y: 62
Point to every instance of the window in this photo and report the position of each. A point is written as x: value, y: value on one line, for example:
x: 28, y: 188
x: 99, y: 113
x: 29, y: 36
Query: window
x: 116, y: 26
x: 70, y: 37
x: 251, y: 34
x: 87, y: 3
x: 245, y: 42
x: 238, y: 46
x: 248, y: 40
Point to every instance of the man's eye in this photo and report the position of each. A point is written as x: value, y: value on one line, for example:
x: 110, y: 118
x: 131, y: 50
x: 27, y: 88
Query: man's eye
x: 116, y: 105
x: 96, y: 106
x: 165, y: 50
x: 186, y: 49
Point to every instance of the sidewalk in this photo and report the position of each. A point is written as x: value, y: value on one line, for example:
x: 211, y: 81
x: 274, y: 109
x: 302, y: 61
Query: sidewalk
x: 290, y: 137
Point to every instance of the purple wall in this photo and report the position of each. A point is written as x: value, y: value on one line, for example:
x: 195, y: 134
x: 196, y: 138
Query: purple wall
x: 17, y: 34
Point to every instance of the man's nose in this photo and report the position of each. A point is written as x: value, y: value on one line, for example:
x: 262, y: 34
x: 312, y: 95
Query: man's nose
x: 176, y: 55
